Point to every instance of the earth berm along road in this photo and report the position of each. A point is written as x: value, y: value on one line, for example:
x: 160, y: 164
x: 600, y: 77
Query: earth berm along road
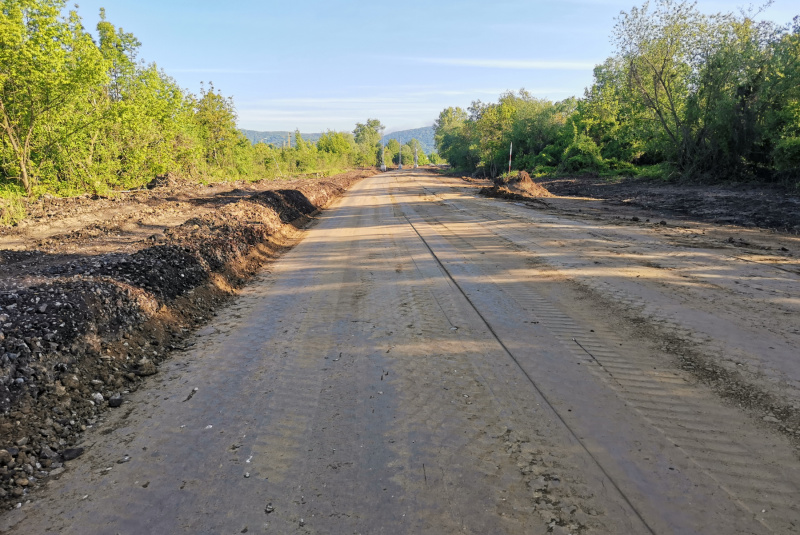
x: 427, y: 361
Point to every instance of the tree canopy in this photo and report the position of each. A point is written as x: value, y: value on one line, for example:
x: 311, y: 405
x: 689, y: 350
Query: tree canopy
x: 684, y: 95
x: 79, y: 114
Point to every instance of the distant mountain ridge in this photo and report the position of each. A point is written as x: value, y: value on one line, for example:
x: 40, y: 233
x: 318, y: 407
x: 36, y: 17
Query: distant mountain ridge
x: 278, y: 137
x: 424, y: 135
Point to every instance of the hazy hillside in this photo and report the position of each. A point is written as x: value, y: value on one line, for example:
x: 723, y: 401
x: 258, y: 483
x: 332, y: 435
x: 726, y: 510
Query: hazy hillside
x: 424, y: 135
x: 277, y: 138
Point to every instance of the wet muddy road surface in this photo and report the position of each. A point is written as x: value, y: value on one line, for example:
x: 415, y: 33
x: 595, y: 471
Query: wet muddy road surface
x: 426, y: 361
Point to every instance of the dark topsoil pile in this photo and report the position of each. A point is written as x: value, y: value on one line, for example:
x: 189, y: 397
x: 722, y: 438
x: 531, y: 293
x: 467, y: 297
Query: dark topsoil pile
x: 79, y: 331
x: 748, y: 205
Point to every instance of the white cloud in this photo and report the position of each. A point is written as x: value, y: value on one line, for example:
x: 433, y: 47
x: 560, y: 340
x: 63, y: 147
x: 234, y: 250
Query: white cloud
x: 510, y: 63
x: 318, y: 113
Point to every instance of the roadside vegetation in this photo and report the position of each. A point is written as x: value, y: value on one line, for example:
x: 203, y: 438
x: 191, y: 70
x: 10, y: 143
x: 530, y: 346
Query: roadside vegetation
x: 81, y: 113
x: 685, y: 96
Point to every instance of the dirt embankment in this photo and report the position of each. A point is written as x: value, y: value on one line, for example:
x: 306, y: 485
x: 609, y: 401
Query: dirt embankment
x: 94, y: 293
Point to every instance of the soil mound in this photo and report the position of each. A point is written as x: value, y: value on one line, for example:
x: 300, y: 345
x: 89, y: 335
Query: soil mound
x: 522, y: 183
x: 501, y: 192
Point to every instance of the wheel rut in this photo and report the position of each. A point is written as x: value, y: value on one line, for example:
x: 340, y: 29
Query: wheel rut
x: 684, y: 415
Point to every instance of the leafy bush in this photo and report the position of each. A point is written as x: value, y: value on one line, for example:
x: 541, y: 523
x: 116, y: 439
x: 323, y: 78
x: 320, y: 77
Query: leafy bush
x: 583, y: 154
x: 12, y: 203
x: 786, y: 154
x: 661, y: 171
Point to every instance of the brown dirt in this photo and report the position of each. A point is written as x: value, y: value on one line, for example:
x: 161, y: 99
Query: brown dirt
x: 521, y: 186
x: 95, y: 292
x: 746, y: 205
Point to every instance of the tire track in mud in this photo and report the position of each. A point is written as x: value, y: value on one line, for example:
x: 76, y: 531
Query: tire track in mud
x: 467, y: 412
x: 438, y: 431
x: 710, y: 359
x: 683, y: 419
x: 670, y: 316
x: 328, y: 481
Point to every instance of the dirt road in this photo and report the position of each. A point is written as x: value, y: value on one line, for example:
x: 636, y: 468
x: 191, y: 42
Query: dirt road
x: 427, y: 361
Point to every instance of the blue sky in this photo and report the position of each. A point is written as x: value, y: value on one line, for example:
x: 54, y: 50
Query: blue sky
x: 317, y: 65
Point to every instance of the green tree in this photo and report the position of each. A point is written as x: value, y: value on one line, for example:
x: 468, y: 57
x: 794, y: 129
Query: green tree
x: 452, y: 135
x: 336, y: 143
x: 120, y: 50
x: 701, y: 77
x: 781, y: 98
x: 415, y: 146
x: 368, y: 137
x: 492, y: 131
x: 215, y: 116
x: 299, y: 144
x: 368, y: 133
x: 393, y: 151
x: 47, y: 62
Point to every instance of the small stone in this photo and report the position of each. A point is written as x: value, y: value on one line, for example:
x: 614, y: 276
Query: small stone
x: 56, y: 472
x: 771, y: 419
x: 42, y: 309
x: 23, y: 482
x: 302, y: 522
x: 23, y: 441
x: 269, y: 508
x: 47, y: 453
x: 17, y: 492
x: 115, y: 401
x: 634, y: 218
x: 72, y: 453
x: 97, y: 397
x: 145, y: 367
x: 5, y: 457
x: 247, y: 474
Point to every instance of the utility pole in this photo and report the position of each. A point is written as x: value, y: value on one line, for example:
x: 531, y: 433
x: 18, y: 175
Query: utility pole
x: 383, y: 157
x: 509, y: 157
